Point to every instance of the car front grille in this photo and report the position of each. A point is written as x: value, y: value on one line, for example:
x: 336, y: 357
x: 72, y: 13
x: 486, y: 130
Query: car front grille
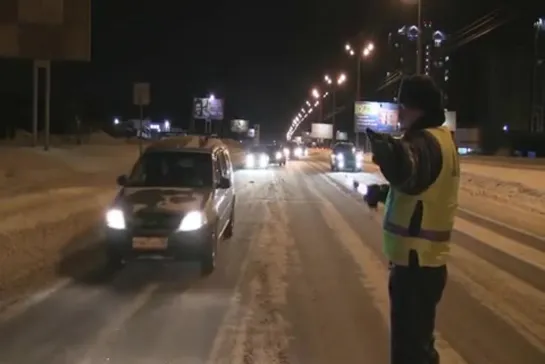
x: 156, y: 220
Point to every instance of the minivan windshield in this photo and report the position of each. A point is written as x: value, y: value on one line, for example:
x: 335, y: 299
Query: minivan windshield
x: 344, y: 147
x: 172, y: 169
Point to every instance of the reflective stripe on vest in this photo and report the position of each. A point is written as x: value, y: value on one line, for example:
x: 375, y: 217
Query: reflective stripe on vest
x: 435, y: 236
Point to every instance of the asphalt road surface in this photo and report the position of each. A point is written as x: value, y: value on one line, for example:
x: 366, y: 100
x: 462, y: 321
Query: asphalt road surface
x: 302, y: 282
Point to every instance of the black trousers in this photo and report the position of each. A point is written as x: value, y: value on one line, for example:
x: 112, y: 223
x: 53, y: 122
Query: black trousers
x: 414, y: 294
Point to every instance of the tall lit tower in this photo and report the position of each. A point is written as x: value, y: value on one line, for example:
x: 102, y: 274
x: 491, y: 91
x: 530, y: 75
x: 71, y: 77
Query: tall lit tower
x: 403, y: 45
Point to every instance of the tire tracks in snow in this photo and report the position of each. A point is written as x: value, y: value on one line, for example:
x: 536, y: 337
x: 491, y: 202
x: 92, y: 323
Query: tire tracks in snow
x: 255, y: 330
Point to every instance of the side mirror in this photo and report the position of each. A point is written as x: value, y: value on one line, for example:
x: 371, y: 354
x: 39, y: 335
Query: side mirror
x: 224, y: 183
x: 122, y: 180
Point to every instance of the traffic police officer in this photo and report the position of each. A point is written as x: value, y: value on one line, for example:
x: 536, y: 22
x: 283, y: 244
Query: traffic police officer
x: 422, y: 169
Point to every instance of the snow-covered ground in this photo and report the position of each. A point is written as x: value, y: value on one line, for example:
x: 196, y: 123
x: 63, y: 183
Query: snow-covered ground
x: 49, y: 200
x: 513, y: 196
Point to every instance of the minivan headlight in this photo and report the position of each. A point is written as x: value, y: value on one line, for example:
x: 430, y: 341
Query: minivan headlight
x: 115, y: 219
x: 193, y: 221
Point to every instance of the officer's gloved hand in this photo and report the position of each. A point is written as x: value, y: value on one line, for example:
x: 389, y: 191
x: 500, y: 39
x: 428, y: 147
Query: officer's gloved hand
x: 376, y: 193
x: 380, y: 145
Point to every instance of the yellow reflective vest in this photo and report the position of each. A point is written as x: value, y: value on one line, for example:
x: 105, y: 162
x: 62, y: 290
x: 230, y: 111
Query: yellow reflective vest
x: 437, y: 206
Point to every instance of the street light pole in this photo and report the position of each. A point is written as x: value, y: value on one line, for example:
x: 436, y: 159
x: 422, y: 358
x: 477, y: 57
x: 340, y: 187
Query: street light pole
x: 335, y: 83
x: 358, y: 97
x: 363, y: 53
x: 333, y: 96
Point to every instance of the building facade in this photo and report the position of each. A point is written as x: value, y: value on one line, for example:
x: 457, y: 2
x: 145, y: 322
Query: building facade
x: 403, y: 53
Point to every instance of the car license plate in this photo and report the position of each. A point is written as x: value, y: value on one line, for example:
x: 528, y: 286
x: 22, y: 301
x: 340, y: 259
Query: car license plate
x: 149, y: 243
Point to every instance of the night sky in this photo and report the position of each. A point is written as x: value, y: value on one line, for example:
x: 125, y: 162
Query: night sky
x: 262, y: 57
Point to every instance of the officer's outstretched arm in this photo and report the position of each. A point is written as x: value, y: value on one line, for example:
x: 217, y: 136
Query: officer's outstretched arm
x: 409, y: 165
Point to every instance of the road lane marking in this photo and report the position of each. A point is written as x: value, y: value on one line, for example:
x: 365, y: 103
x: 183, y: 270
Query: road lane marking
x: 499, y: 242
x: 499, y: 223
x: 485, y: 282
x: 522, y: 252
x: 373, y: 270
x: 320, y: 166
x: 119, y: 319
x: 250, y: 328
x: 511, y: 299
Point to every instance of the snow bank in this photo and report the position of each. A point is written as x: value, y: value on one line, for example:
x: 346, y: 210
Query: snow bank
x: 514, y: 196
x: 37, y: 235
x: 103, y: 138
x: 51, y: 203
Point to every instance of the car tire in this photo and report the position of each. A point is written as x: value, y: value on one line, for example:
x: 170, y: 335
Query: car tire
x: 229, y: 230
x: 209, y: 257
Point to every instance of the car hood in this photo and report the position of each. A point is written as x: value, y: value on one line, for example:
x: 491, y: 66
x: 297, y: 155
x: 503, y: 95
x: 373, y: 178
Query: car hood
x: 164, y: 199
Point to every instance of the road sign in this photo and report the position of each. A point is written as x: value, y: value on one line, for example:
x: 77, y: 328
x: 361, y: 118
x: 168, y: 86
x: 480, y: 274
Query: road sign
x: 141, y: 94
x: 53, y: 30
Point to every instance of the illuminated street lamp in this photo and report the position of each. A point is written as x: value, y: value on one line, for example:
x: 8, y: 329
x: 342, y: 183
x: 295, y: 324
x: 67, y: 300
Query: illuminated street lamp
x: 340, y: 80
x: 316, y: 94
x: 365, y: 52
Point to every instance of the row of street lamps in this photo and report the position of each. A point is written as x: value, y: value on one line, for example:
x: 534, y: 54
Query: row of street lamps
x: 360, y: 53
x: 333, y: 84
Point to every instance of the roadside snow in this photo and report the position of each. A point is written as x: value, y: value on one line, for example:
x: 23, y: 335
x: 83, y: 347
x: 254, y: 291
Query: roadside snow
x: 533, y: 179
x: 510, y: 195
x: 51, y: 203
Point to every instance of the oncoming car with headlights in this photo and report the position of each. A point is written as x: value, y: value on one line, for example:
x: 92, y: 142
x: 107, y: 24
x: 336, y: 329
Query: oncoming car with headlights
x: 345, y: 156
x: 296, y: 151
x: 263, y: 155
x: 178, y: 202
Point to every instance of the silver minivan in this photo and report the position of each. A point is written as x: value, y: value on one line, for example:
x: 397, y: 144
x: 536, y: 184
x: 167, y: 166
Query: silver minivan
x: 178, y: 203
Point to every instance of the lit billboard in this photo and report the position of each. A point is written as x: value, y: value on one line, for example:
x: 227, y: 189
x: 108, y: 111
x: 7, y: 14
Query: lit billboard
x: 380, y: 116
x: 208, y: 108
x: 239, y: 126
x: 321, y: 131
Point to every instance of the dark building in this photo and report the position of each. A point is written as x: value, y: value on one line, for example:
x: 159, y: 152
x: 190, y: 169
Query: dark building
x: 403, y: 52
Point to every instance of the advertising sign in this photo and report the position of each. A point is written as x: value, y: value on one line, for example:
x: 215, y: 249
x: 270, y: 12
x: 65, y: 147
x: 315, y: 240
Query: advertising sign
x: 321, y: 131
x: 380, y: 116
x: 239, y: 126
x: 251, y: 133
x: 208, y: 108
x: 342, y: 135
x: 52, y: 30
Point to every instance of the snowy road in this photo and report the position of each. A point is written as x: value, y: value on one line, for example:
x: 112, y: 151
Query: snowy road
x: 302, y: 282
